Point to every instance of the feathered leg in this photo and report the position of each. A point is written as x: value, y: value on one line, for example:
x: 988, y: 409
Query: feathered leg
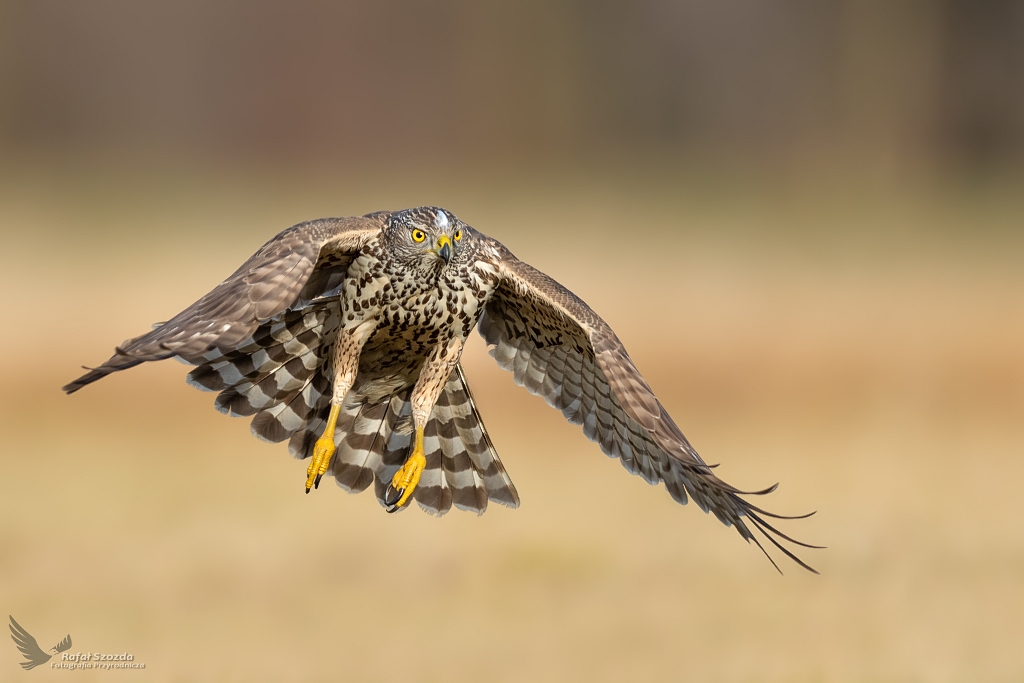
x: 346, y: 364
x: 431, y: 383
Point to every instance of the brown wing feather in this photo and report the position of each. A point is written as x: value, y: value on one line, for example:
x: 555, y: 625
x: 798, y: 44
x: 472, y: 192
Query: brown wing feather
x: 560, y: 349
x: 299, y: 264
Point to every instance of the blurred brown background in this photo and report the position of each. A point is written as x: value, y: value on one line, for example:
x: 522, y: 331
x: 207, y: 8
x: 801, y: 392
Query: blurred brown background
x: 823, y: 200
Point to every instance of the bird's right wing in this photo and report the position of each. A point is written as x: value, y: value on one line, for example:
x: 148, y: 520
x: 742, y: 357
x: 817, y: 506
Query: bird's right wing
x: 299, y: 264
x: 28, y: 645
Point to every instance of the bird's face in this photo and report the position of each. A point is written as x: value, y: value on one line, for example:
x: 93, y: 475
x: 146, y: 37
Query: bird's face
x: 428, y: 237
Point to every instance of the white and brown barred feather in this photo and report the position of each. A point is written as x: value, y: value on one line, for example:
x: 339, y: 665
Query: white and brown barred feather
x: 462, y: 468
x: 281, y: 377
x: 559, y: 349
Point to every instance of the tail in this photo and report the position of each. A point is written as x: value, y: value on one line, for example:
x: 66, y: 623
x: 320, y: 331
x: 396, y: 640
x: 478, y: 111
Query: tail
x: 374, y: 440
x: 462, y: 466
x: 457, y: 408
x: 282, y: 377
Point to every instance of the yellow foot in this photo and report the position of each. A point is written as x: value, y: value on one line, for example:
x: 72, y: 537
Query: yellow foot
x: 405, y: 480
x: 323, y: 451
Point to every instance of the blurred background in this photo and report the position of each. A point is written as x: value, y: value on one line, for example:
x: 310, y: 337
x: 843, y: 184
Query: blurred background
x: 824, y: 203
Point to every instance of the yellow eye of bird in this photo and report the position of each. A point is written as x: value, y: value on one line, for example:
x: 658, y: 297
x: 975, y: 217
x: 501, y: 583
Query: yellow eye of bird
x: 418, y: 235
x: 457, y: 236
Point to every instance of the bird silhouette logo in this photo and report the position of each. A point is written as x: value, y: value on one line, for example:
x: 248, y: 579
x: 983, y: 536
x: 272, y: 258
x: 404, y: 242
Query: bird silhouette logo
x: 34, y: 655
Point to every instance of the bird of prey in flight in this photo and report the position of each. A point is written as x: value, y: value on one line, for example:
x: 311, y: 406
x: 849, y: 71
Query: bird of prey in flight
x: 34, y: 655
x: 343, y: 336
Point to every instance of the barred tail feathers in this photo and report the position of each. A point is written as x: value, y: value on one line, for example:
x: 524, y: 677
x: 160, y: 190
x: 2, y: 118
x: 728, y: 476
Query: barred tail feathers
x: 361, y: 446
x: 479, y: 447
x: 281, y: 377
x: 395, y: 440
x: 462, y: 467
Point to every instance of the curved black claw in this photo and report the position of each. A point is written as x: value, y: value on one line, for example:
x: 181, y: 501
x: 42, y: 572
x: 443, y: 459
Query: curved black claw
x: 307, y: 490
x: 316, y: 482
x: 391, y: 504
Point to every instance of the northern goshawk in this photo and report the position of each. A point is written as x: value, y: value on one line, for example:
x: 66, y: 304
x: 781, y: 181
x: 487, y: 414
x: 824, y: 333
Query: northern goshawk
x: 343, y: 336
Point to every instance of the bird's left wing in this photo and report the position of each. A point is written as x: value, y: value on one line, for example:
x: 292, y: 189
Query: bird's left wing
x: 299, y: 264
x: 560, y: 349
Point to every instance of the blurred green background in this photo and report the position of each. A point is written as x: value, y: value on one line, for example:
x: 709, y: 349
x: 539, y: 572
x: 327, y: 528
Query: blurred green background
x: 824, y: 202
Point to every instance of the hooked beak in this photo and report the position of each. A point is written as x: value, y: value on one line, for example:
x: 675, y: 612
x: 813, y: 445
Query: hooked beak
x: 444, y: 248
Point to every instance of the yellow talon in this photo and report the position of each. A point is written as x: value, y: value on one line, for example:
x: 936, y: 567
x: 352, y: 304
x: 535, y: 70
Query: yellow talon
x: 323, y: 451
x: 408, y: 477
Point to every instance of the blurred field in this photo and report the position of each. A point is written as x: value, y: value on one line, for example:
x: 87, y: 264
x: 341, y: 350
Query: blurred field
x: 860, y: 346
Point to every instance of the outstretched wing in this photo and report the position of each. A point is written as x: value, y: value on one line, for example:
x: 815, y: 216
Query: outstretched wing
x: 64, y: 644
x: 28, y: 646
x: 299, y: 264
x: 558, y: 348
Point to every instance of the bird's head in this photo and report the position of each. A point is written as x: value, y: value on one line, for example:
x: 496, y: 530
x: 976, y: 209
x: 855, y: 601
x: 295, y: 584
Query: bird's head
x: 429, y: 236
